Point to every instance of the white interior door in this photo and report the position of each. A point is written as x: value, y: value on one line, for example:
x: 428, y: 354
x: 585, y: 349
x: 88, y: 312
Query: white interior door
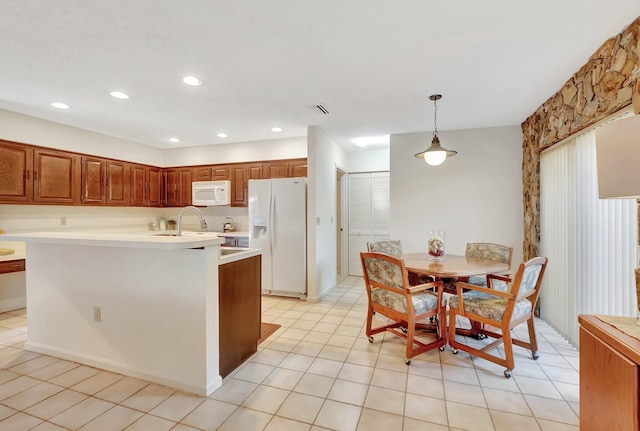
x: 368, y: 214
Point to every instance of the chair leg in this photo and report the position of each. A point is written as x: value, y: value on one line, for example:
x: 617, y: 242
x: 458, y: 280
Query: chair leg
x: 452, y: 331
x: 533, y: 340
x: 508, y: 350
x: 411, y: 331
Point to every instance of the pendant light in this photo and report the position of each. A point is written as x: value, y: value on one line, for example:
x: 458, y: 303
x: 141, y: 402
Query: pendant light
x: 435, y: 154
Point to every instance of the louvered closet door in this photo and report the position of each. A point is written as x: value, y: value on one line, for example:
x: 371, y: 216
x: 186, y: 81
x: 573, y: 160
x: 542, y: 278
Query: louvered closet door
x: 368, y: 214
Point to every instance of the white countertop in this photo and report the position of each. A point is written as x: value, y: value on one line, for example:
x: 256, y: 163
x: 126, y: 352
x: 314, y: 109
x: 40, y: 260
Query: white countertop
x: 237, y: 253
x: 14, y: 256
x: 233, y: 233
x: 142, y: 239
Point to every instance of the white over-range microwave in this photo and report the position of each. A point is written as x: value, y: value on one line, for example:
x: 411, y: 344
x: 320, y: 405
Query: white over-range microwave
x: 206, y: 193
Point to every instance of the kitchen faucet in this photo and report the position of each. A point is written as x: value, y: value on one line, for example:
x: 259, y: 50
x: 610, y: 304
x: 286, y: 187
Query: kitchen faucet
x: 203, y: 222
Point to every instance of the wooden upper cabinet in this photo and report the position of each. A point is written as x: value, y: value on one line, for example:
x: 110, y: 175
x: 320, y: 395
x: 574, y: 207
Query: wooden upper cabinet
x: 185, y: 178
x: 31, y: 174
x: 16, y: 172
x: 154, y: 187
x: 285, y: 168
x: 202, y: 173
x: 278, y: 169
x: 56, y: 176
x: 221, y: 172
x: 255, y: 171
x: 297, y: 168
x: 93, y: 180
x: 170, y: 186
x: 240, y: 176
x: 177, y: 186
x: 138, y: 185
x: 146, y: 186
x: 118, y: 182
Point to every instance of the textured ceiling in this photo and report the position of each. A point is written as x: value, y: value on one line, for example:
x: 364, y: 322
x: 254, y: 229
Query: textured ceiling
x: 372, y: 63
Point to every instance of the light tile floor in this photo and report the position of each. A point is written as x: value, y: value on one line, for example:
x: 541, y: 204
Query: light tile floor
x: 317, y: 372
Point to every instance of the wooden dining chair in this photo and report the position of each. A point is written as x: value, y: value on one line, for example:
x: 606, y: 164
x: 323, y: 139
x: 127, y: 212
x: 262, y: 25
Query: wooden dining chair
x: 394, y: 247
x: 487, y: 251
x: 390, y: 295
x: 499, y: 309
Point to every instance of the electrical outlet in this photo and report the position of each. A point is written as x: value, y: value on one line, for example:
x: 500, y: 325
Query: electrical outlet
x: 63, y: 221
x: 97, y: 314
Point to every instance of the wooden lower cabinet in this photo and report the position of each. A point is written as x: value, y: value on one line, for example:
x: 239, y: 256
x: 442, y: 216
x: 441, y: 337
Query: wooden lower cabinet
x: 609, y: 373
x: 240, y: 309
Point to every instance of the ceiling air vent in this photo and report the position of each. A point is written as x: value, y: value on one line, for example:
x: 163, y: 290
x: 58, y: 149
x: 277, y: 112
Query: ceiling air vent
x: 320, y: 109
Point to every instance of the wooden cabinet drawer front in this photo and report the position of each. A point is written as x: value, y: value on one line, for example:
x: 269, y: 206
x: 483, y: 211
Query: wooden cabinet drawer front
x: 12, y: 266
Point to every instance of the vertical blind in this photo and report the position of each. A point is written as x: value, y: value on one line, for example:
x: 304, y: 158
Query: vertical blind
x: 591, y: 243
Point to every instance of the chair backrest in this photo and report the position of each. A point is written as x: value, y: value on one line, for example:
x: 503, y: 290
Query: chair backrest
x: 528, y: 279
x: 386, y: 246
x: 490, y: 251
x: 382, y: 269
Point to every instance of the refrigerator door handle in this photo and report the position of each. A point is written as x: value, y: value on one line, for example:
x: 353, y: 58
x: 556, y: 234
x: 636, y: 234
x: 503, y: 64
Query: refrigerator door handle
x: 272, y: 234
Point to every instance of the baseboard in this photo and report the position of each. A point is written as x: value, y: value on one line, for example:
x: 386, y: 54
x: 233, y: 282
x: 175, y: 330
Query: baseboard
x: 120, y: 368
x: 13, y: 304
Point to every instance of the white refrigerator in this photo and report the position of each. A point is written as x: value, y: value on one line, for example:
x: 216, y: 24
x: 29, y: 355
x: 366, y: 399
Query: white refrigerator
x: 278, y: 226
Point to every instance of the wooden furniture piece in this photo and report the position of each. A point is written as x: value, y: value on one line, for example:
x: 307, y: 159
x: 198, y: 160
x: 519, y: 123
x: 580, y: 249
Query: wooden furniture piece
x: 39, y: 175
x: 451, y: 266
x: 609, y: 373
x: 499, y: 309
x: 9, y: 266
x: 487, y: 251
x: 394, y: 247
x: 390, y: 295
x: 240, y: 311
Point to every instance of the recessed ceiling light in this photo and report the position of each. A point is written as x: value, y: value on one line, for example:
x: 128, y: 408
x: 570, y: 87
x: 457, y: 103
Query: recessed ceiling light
x: 60, y: 105
x: 371, y: 140
x: 191, y: 80
x: 119, y: 95
x: 174, y: 140
x: 276, y: 129
x: 222, y: 135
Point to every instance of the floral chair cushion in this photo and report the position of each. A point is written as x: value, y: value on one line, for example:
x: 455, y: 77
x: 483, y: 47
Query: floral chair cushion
x: 481, y: 280
x: 386, y: 247
x: 529, y: 279
x: 490, y: 306
x: 384, y: 272
x: 422, y: 302
x: 495, y: 252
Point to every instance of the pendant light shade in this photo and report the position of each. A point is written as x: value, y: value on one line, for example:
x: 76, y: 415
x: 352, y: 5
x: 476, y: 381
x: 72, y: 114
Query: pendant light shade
x: 436, y: 154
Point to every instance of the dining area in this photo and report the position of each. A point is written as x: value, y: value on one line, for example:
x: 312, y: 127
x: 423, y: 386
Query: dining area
x: 434, y: 292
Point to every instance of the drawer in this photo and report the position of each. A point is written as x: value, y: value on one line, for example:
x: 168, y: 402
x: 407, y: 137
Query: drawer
x: 12, y: 266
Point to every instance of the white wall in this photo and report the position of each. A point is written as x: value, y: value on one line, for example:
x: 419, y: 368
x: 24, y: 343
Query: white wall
x: 323, y: 156
x: 368, y: 160
x: 273, y: 149
x: 475, y: 196
x: 31, y: 130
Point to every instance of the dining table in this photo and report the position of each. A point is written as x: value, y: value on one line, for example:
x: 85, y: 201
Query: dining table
x: 453, y: 267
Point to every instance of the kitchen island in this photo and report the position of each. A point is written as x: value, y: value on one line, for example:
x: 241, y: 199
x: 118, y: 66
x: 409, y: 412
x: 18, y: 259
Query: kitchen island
x: 141, y: 304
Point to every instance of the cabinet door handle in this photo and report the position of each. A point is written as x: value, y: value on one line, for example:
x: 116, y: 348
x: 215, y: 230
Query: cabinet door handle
x: 28, y: 175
